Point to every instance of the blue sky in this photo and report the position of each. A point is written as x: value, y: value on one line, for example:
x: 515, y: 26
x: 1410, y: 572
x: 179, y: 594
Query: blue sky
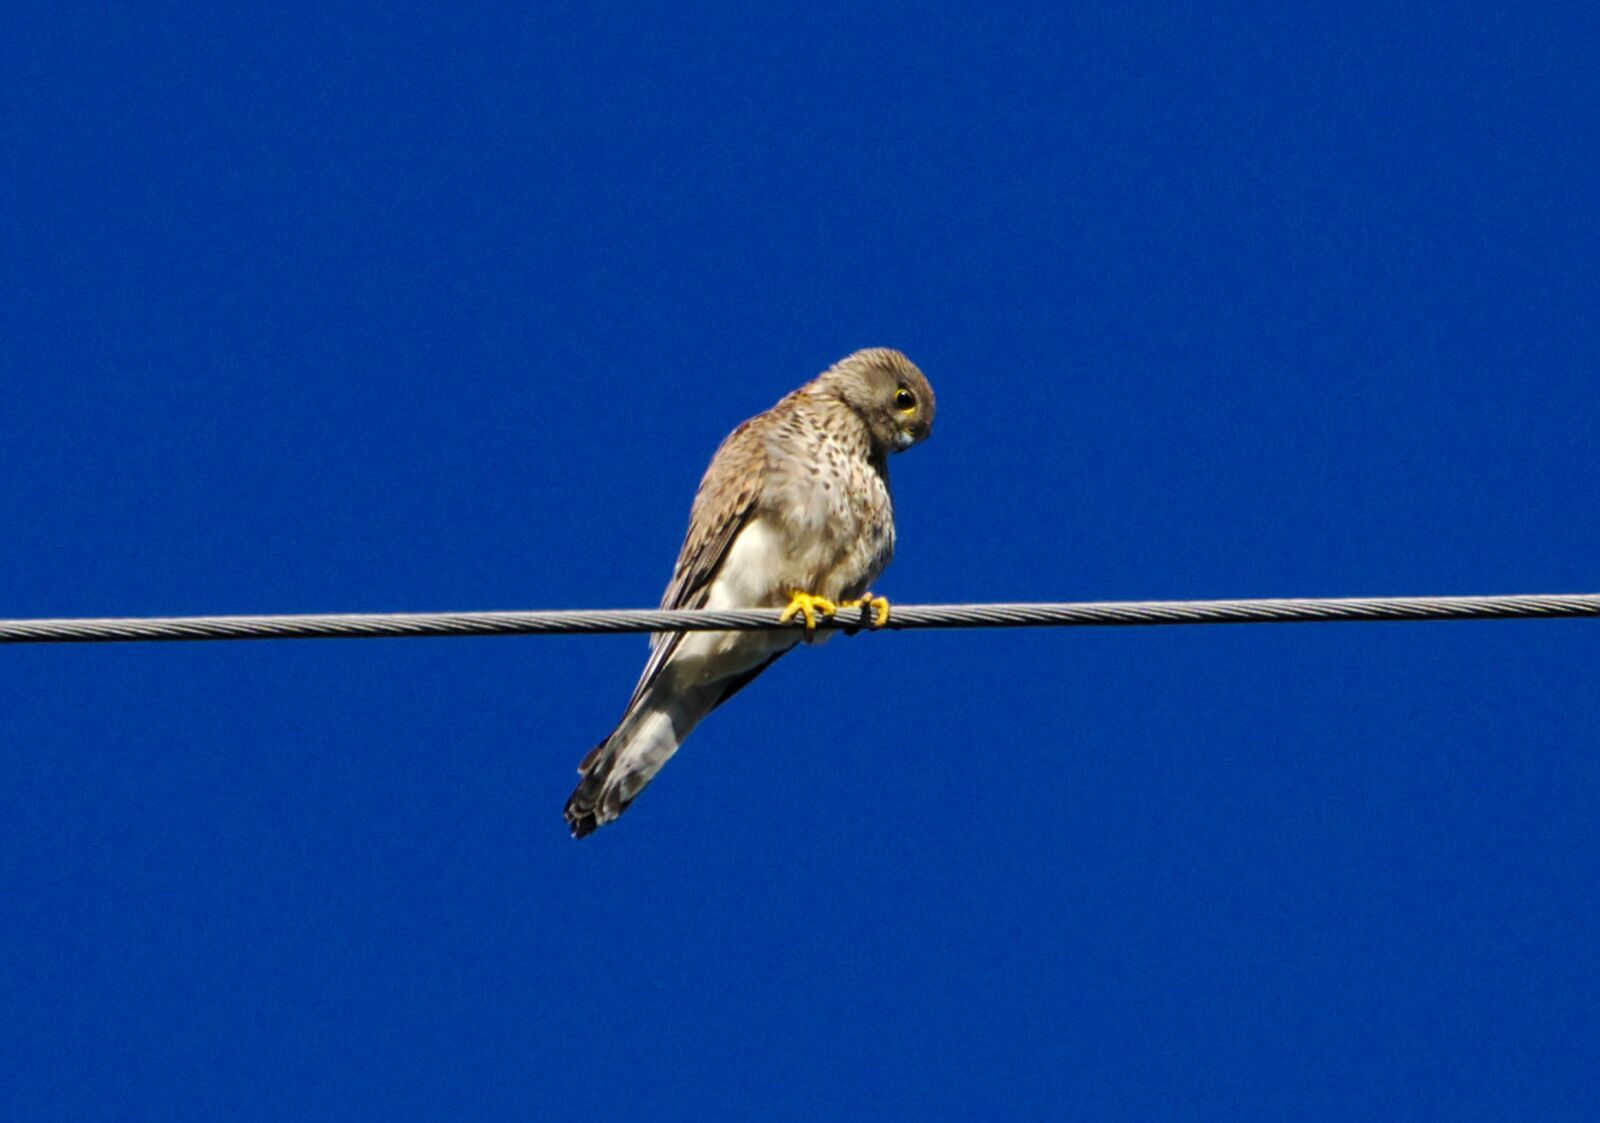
x: 358, y: 310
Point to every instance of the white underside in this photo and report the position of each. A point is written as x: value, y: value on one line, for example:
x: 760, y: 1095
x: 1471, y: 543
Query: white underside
x: 754, y: 574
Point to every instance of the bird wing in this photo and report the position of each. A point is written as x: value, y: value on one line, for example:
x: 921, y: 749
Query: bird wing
x: 724, y: 503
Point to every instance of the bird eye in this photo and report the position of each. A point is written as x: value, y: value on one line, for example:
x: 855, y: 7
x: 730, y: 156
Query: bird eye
x: 905, y: 400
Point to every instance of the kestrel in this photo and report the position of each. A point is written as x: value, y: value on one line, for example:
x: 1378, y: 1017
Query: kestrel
x: 794, y: 512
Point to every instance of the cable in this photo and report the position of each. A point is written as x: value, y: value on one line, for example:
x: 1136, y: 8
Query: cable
x: 903, y: 617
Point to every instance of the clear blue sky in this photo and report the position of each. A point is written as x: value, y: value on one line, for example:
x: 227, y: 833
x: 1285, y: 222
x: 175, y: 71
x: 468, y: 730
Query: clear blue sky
x: 361, y: 310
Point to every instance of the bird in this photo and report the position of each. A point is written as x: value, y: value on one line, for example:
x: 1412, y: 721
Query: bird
x: 793, y: 513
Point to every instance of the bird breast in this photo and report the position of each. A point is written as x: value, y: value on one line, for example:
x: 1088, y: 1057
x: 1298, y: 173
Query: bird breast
x: 831, y: 510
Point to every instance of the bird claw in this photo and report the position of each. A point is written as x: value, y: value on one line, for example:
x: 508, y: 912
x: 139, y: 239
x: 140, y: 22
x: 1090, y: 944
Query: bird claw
x: 810, y: 607
x: 878, y: 605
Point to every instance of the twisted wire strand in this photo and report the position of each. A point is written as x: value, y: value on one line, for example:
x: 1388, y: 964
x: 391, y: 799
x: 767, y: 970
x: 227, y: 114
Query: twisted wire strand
x: 902, y: 618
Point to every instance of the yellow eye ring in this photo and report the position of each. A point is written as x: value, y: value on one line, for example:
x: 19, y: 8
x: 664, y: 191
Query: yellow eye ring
x: 905, y: 400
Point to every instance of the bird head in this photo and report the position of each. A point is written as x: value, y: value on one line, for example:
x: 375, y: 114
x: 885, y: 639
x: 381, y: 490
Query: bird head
x: 888, y: 393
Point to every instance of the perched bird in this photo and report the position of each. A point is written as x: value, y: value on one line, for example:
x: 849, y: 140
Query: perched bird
x: 794, y: 512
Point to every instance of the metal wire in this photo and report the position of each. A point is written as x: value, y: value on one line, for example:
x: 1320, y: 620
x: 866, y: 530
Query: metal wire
x: 902, y: 618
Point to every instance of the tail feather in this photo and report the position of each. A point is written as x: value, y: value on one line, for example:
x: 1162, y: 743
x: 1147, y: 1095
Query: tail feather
x: 589, y: 805
x: 616, y: 770
x: 597, y: 799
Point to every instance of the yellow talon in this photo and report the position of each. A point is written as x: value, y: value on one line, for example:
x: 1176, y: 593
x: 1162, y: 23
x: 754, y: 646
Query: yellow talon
x: 809, y: 606
x: 879, y: 606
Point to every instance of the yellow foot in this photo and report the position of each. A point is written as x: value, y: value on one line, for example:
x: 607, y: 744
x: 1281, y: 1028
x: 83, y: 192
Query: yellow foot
x: 804, y: 604
x: 879, y: 606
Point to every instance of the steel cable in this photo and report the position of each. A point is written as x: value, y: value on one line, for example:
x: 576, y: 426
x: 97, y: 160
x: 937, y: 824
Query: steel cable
x: 902, y: 618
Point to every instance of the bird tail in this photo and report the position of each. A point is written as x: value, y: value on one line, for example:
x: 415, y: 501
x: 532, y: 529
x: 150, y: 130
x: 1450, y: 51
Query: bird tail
x: 617, y: 769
